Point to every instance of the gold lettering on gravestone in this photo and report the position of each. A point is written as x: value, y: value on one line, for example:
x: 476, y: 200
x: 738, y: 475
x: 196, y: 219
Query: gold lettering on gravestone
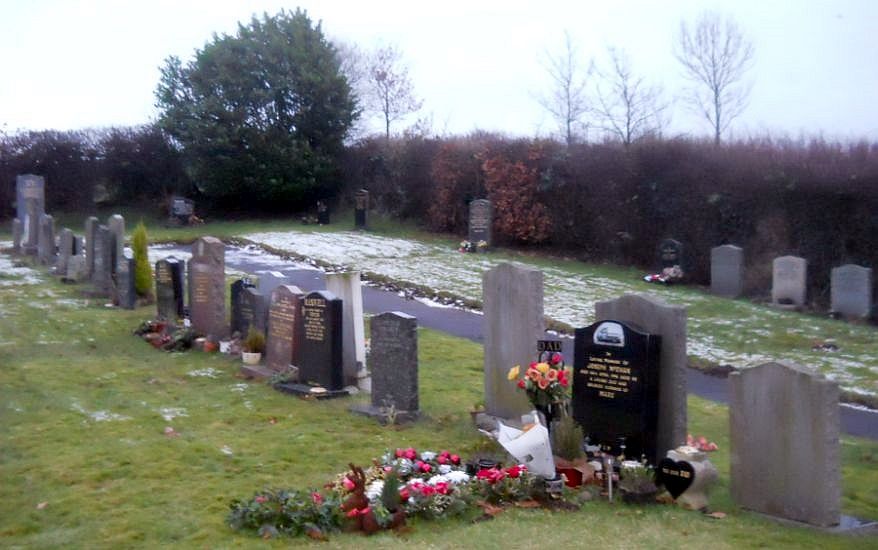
x: 314, y: 319
x: 201, y: 288
x: 282, y: 319
x: 608, y: 376
x: 163, y: 274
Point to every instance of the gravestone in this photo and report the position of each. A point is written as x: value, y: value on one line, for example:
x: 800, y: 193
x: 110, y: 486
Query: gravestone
x: 30, y: 204
x: 394, y: 338
x: 480, y: 219
x: 248, y: 308
x: 851, y: 291
x: 615, y: 387
x: 76, y: 271
x: 101, y: 277
x: 66, y: 249
x: 270, y: 280
x: 207, y: 288
x: 320, y: 356
x: 181, y: 210
x: 125, y: 281
x: 727, y: 271
x: 789, y: 276
x: 116, y: 225
x: 322, y: 213
x: 17, y: 233
x: 670, y: 253
x: 654, y: 316
x: 169, y: 288
x: 513, y: 311
x: 284, y: 336
x: 346, y: 286
x: 361, y: 207
x: 91, y: 225
x: 240, y: 319
x: 784, y: 443
x: 46, y: 244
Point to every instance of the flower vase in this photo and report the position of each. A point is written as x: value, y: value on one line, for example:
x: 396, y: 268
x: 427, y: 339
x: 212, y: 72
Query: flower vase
x: 549, y: 413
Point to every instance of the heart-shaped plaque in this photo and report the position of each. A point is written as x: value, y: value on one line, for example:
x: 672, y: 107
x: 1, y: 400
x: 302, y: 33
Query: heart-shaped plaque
x: 676, y: 476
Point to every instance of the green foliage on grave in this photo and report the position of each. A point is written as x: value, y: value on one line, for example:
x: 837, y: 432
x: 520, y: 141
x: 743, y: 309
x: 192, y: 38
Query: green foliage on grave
x: 260, y: 116
x: 142, y: 267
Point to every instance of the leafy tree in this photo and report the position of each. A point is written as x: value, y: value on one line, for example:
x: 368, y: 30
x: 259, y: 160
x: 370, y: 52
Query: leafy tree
x: 260, y: 116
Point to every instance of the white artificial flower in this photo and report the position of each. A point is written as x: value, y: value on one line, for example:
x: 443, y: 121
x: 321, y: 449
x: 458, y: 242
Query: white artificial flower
x: 444, y: 468
x: 373, y: 491
x: 428, y: 455
x: 457, y: 476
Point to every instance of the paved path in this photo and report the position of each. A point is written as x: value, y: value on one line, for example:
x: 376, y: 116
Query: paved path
x: 468, y: 324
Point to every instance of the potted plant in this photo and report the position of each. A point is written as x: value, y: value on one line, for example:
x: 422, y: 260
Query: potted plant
x: 567, y: 447
x: 637, y: 482
x: 253, y: 347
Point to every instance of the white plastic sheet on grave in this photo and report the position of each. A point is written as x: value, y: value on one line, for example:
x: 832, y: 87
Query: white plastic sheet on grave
x: 530, y: 447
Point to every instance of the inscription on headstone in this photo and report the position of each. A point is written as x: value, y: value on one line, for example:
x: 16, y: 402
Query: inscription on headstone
x: 789, y: 281
x: 851, y: 291
x: 480, y: 219
x: 361, y: 207
x: 320, y: 359
x: 207, y: 287
x: 727, y: 271
x: 284, y: 318
x: 169, y: 288
x: 615, y: 387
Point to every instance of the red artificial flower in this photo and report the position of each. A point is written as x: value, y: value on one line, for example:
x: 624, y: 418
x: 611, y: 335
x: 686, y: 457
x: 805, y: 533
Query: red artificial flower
x: 410, y: 453
x: 399, y: 453
x: 348, y: 484
x: 521, y: 384
x: 556, y: 358
x: 533, y: 365
x: 261, y: 498
x: 425, y: 467
x: 427, y: 490
x: 564, y: 382
x: 441, y: 459
x: 491, y: 475
x: 352, y: 513
x: 404, y: 494
x: 442, y: 487
x: 455, y: 459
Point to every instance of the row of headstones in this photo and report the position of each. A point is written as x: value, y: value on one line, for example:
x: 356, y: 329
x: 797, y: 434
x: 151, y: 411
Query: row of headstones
x: 850, y: 285
x: 784, y: 420
x: 98, y: 256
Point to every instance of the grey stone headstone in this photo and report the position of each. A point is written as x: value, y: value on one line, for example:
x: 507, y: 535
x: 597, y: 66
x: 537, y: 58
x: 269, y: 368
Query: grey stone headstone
x: 207, y: 287
x: 29, y: 187
x: 789, y: 281
x: 851, y: 290
x: 481, y: 216
x: 394, y: 356
x: 169, y: 288
x: 785, y: 455
x: 17, y: 234
x: 101, y: 276
x: 66, y: 249
x: 283, y: 338
x: 727, y: 271
x: 347, y: 287
x: 34, y: 207
x: 75, y: 269
x: 513, y: 306
x: 654, y: 316
x: 46, y: 247
x: 361, y: 209
x: 116, y: 225
x: 91, y: 226
x: 125, y: 282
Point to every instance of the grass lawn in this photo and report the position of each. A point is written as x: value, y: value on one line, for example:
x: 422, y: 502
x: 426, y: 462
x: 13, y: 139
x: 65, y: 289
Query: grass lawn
x: 85, y: 461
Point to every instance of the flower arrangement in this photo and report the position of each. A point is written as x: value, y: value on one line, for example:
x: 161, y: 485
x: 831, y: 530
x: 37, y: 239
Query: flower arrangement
x: 546, y: 382
x: 497, y: 485
x: 636, y: 477
x: 701, y: 443
x: 467, y: 246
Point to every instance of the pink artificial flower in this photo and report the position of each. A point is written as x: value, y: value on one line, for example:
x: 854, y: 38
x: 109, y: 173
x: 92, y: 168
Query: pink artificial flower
x: 404, y: 494
x: 442, y: 459
x: 410, y: 453
x: 442, y: 487
x: 316, y: 498
x: 261, y: 498
x: 348, y: 484
x: 455, y: 459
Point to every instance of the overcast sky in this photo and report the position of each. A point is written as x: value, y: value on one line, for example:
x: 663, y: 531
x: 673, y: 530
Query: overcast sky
x: 68, y: 64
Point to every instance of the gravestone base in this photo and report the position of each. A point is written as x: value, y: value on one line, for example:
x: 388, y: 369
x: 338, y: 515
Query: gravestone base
x: 382, y: 415
x: 313, y: 392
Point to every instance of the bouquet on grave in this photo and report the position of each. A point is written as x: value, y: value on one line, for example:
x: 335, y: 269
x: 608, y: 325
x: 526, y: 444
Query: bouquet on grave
x: 545, y: 382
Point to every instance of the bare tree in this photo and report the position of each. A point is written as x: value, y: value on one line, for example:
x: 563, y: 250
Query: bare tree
x: 567, y: 100
x: 391, y: 91
x: 627, y: 106
x: 715, y: 56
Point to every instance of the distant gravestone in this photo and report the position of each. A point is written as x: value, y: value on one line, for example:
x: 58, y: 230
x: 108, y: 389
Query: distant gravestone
x: 116, y: 225
x: 322, y: 213
x: 169, y: 288
x: 480, y: 219
x: 17, y: 233
x: 851, y: 291
x: 513, y: 319
x: 46, y: 244
x: 654, y: 316
x: 394, y: 338
x: 270, y: 280
x: 66, y: 249
x: 101, y: 276
x: 91, y: 226
x: 207, y: 287
x: 615, y: 388
x: 320, y: 358
x: 361, y: 208
x: 125, y: 281
x: 784, y: 443
x: 284, y: 319
x: 30, y: 204
x: 76, y: 271
x: 789, y: 277
x: 347, y: 287
x: 181, y: 210
x: 249, y: 308
x: 670, y: 253
x: 727, y: 271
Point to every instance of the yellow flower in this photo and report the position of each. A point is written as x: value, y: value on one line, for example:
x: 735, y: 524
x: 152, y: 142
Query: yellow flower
x: 513, y: 372
x: 543, y: 367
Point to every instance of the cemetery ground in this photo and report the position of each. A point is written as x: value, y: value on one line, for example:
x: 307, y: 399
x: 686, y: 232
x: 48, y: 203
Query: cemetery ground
x: 107, y: 442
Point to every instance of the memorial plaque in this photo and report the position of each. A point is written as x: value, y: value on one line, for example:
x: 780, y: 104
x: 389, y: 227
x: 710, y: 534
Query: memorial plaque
x: 851, y: 291
x: 320, y: 359
x: 361, y: 207
x: 125, y: 282
x: 284, y: 318
x: 670, y: 253
x: 616, y: 388
x: 480, y: 220
x: 169, y: 288
x: 207, y: 288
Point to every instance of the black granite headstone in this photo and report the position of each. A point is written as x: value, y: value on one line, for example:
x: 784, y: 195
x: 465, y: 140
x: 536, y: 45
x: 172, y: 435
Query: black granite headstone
x: 169, y: 288
x: 480, y: 220
x: 322, y: 213
x: 125, y: 282
x: 670, y: 253
x: 615, y: 388
x: 242, y: 313
x: 320, y: 358
x: 361, y: 206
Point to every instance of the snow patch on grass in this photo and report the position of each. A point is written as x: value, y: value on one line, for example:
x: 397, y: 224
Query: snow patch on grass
x: 99, y: 416
x: 208, y: 372
x: 170, y: 413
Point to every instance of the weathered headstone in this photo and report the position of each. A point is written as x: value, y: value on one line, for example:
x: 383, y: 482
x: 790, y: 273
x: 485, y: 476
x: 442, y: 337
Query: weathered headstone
x: 670, y: 253
x: 851, y: 291
x: 789, y: 281
x: 91, y: 226
x: 125, y: 281
x: 480, y: 219
x: 17, y: 234
x: 181, y: 210
x: 46, y: 248
x: 30, y: 204
x: 101, y: 276
x: 116, y: 225
x: 615, y: 387
x: 76, y: 271
x: 394, y: 338
x: 654, y: 316
x: 248, y: 308
x: 784, y: 443
x: 320, y: 356
x: 169, y: 288
x: 346, y: 286
x: 513, y: 306
x: 284, y: 333
x: 322, y: 213
x: 727, y: 271
x: 361, y: 208
x: 66, y: 249
x: 207, y: 287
